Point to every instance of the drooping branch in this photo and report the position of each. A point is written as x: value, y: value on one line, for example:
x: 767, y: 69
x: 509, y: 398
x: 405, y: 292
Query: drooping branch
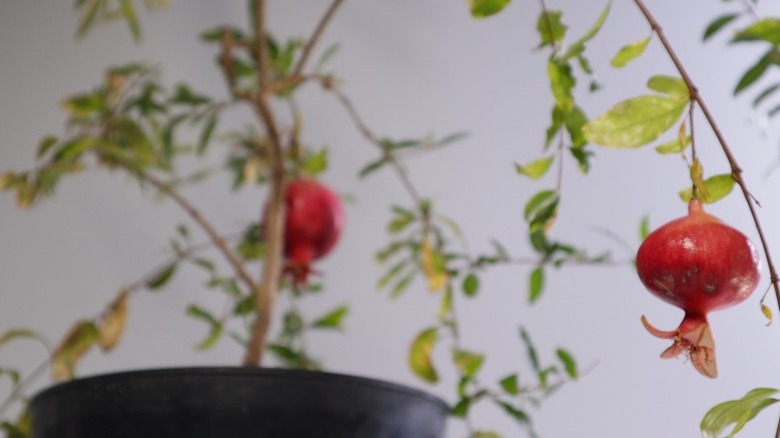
x: 736, y: 171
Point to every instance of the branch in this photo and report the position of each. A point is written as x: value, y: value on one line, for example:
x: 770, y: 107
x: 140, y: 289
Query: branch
x: 265, y: 293
x: 315, y: 37
x: 736, y: 171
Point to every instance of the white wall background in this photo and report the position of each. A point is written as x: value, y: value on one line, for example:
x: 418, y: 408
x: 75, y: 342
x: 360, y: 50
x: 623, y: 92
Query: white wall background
x: 411, y: 67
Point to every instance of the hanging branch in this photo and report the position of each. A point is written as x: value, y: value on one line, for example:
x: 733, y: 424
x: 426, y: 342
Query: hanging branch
x: 736, y: 171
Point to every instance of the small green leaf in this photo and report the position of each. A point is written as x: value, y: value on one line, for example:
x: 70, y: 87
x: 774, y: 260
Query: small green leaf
x: 767, y: 29
x: 568, y: 362
x: 372, y: 167
x: 535, y: 284
x: 562, y: 83
x: 574, y: 121
x: 420, y: 355
x: 79, y: 339
x: 535, y: 169
x: 206, y: 133
x: 510, y: 384
x: 755, y: 72
x: 486, y: 8
x: 644, y: 228
x: 736, y: 412
x: 468, y: 363
x: 670, y: 85
x: 161, y: 277
x: 673, y: 146
x: 764, y: 94
x: 485, y: 434
x: 514, y: 412
x: 401, y: 285
x: 718, y: 24
x: 215, y: 326
x: 333, y: 319
x: 45, y: 145
x: 461, y: 408
x: 471, y: 284
x: 550, y: 27
x: 578, y: 47
x: 533, y: 357
x: 636, y: 121
x: 88, y: 17
x: 316, y: 163
x: 128, y: 11
x: 12, y: 374
x: 629, y: 52
x: 14, y: 334
x: 717, y: 188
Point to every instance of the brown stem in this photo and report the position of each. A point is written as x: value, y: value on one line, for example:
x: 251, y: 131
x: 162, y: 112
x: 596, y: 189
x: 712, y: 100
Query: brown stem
x: 267, y: 290
x: 371, y: 137
x: 315, y: 37
x: 736, y: 171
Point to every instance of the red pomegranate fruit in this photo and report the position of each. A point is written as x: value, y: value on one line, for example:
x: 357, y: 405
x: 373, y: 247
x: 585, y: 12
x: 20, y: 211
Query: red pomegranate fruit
x: 314, y: 220
x: 698, y: 264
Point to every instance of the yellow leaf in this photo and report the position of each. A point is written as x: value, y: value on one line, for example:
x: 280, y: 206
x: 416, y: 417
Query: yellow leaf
x: 76, y: 343
x: 420, y: 355
x: 112, y: 326
x: 433, y: 267
x: 767, y: 312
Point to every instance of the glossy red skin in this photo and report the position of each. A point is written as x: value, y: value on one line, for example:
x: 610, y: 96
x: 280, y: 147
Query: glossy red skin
x: 314, y: 221
x: 698, y: 263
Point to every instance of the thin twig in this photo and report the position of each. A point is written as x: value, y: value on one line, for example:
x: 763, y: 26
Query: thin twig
x: 736, y: 171
x: 261, y: 46
x: 371, y: 137
x: 315, y: 37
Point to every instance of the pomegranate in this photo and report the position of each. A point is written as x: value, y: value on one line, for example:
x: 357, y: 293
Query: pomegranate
x: 698, y: 264
x: 314, y: 221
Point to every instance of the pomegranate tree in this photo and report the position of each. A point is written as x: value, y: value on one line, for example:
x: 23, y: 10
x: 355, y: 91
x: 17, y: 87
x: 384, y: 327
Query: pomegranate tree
x: 314, y: 220
x: 698, y: 264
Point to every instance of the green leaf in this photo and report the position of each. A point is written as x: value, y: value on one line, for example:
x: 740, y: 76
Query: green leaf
x: 718, y: 24
x: 568, y: 362
x: 574, y: 121
x: 471, y: 284
x: 401, y: 285
x: 372, y: 167
x: 635, y: 122
x: 420, y: 355
x: 485, y: 434
x: 629, y: 52
x: 486, y: 8
x: 535, y: 169
x: 552, y: 130
x: 644, y: 228
x: 206, y: 133
x: 533, y: 357
x: 540, y: 210
x: 767, y: 29
x: 45, y: 145
x: 550, y: 27
x: 717, y: 187
x: 316, y: 163
x: 215, y: 326
x: 670, y: 85
x: 128, y: 11
x: 461, y: 408
x: 578, y: 47
x: 535, y: 284
x: 12, y: 374
x: 13, y: 334
x: 333, y: 319
x: 736, y: 412
x: 510, y: 384
x: 161, y: 277
x: 468, y: 363
x: 673, y: 146
x: 83, y: 105
x: 88, y: 17
x: 764, y: 94
x: 514, y: 412
x: 562, y: 83
x: 755, y: 72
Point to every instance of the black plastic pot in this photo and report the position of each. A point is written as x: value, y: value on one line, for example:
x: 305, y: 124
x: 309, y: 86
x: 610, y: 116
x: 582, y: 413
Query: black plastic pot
x: 235, y: 402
